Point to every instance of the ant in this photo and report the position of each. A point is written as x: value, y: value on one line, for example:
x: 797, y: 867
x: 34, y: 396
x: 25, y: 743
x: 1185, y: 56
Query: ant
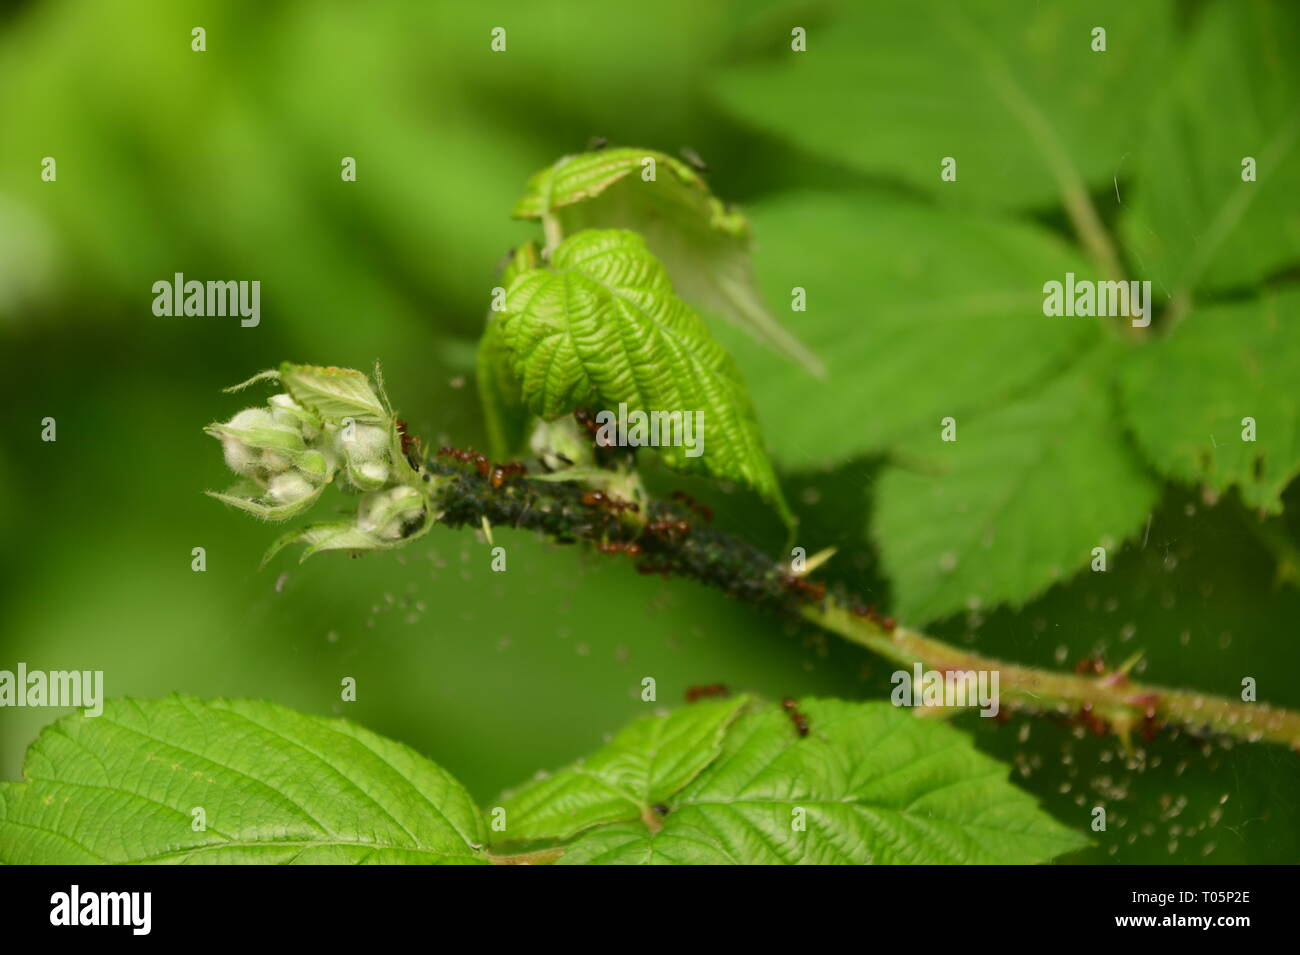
x: 631, y: 548
x: 503, y: 472
x: 410, y: 445
x: 1090, y: 665
x: 799, y: 719
x: 646, y: 567
x: 886, y: 623
x: 703, y: 510
x: 608, y: 501
x: 480, y: 461
x: 806, y: 589
x: 668, y: 529
x: 695, y: 693
x: 588, y: 421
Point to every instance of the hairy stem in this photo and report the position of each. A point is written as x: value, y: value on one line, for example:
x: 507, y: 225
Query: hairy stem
x: 1103, y: 702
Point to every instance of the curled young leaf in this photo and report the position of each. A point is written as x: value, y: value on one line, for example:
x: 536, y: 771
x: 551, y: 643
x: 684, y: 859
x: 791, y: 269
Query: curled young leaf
x: 703, y: 242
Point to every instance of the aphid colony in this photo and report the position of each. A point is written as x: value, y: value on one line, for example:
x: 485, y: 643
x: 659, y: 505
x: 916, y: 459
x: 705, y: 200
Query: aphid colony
x: 497, y: 474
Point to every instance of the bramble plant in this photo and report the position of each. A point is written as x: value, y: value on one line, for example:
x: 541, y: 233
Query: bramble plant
x: 606, y: 312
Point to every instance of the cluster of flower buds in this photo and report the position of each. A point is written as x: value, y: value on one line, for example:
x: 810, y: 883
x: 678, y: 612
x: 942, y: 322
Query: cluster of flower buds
x: 328, y: 426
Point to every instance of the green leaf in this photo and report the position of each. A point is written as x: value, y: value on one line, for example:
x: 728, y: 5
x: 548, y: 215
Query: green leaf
x: 703, y: 243
x: 1193, y: 222
x: 645, y: 764
x: 333, y: 393
x: 601, y: 326
x: 876, y: 785
x: 505, y: 415
x: 275, y: 786
x: 1016, y: 503
x: 1187, y: 394
x: 911, y: 325
x: 1012, y: 91
x: 267, y: 512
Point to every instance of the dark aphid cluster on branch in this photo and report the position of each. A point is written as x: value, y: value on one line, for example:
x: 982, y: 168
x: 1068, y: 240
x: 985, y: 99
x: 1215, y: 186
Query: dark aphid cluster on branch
x: 799, y: 720
x: 669, y: 544
x: 694, y: 693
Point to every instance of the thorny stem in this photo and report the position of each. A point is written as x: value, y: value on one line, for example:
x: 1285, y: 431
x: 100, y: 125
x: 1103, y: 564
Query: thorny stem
x: 1106, y: 702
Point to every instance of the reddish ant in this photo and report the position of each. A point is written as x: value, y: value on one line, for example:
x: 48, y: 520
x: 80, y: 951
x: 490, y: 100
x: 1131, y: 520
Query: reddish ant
x: 503, y: 472
x: 668, y: 529
x: 703, y: 510
x: 410, y: 445
x: 1090, y: 665
x: 886, y: 623
x: 608, y: 502
x: 806, y: 589
x: 480, y: 461
x: 799, y: 719
x: 631, y: 548
x: 647, y: 567
x: 695, y: 693
x: 588, y: 421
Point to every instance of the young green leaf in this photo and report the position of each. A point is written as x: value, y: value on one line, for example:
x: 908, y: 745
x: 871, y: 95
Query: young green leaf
x: 870, y: 783
x: 644, y: 765
x: 230, y: 781
x: 1195, y: 222
x: 1014, y: 92
x: 911, y: 330
x: 333, y: 393
x: 703, y: 243
x: 1015, y: 503
x: 1189, y: 395
x: 600, y: 326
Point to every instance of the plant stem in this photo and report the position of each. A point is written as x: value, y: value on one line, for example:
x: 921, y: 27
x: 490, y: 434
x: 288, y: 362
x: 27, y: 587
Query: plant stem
x: 1122, y: 704
x: 1108, y: 702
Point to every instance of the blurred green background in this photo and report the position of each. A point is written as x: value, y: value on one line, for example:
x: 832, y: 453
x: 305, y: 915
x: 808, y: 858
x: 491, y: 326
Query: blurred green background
x: 226, y: 165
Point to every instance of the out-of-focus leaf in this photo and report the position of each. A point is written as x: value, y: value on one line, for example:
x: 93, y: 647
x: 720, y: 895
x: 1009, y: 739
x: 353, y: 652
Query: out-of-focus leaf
x: 1013, y: 91
x: 1015, y: 503
x: 1193, y: 222
x: 921, y: 315
x: 1187, y: 395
